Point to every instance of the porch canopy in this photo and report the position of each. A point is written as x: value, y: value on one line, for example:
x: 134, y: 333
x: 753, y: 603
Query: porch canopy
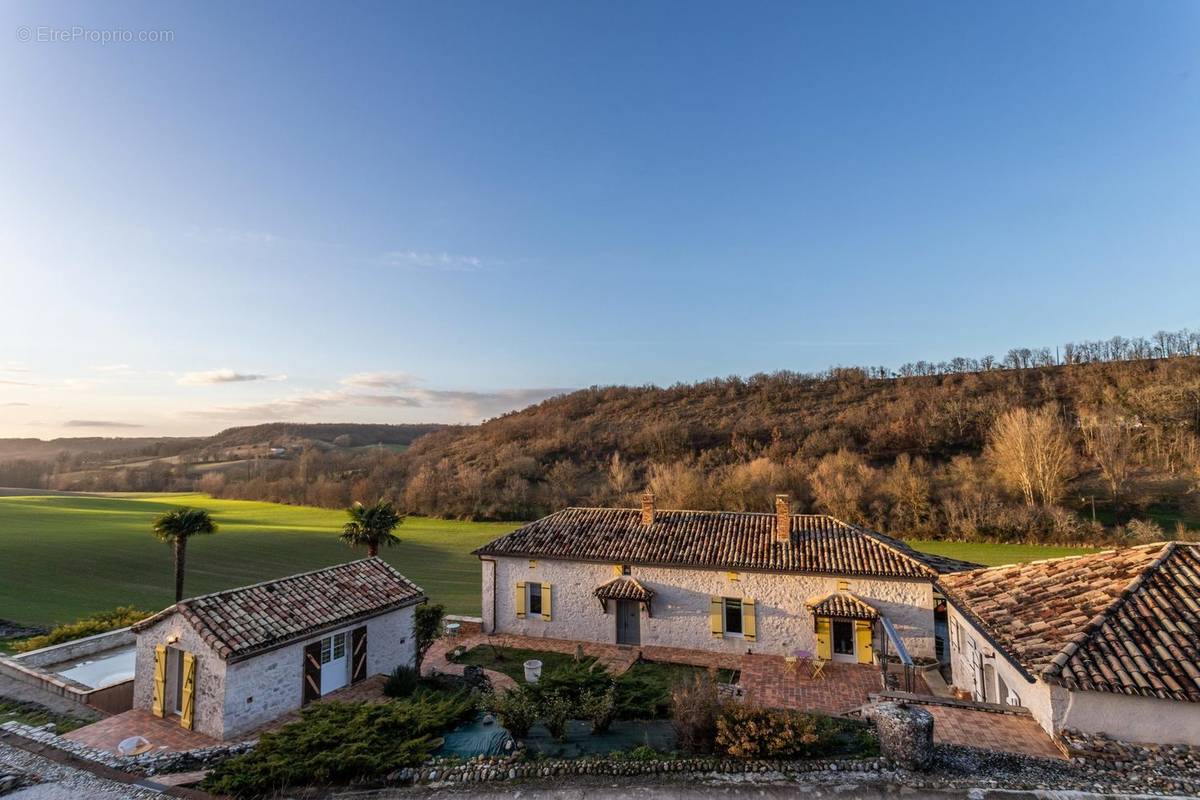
x: 624, y: 589
x: 845, y: 605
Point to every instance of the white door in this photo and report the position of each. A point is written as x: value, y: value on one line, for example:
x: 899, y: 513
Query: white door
x: 335, y: 663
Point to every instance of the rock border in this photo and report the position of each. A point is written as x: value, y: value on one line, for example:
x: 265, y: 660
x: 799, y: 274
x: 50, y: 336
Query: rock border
x: 145, y: 764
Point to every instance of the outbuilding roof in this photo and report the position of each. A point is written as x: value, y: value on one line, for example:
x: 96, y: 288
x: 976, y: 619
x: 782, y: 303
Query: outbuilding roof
x: 239, y: 623
x: 1124, y: 621
x: 718, y: 540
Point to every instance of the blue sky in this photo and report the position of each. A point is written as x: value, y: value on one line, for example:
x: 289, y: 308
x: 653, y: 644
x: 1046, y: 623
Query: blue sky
x: 439, y: 211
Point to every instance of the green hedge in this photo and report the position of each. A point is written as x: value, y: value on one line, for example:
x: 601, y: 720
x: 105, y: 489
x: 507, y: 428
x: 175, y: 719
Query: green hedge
x: 337, y: 742
x: 88, y: 626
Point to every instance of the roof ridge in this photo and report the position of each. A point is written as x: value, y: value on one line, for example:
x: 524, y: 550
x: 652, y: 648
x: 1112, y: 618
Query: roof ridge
x: 1098, y: 621
x: 1102, y: 552
x: 698, y: 511
x: 304, y: 574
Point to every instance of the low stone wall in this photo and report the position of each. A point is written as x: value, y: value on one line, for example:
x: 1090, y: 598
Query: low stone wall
x: 1082, y: 746
x: 514, y: 767
x: 153, y: 763
x: 77, y: 648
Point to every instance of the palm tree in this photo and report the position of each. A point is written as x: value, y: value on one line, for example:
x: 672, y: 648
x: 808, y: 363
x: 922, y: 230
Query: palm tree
x: 371, y: 526
x: 175, y: 528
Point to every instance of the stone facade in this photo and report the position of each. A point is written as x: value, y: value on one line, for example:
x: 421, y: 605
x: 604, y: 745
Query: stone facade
x: 1131, y: 718
x: 233, y: 698
x: 680, y: 608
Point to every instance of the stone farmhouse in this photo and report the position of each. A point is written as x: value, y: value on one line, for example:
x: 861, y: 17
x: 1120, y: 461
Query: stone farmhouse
x: 1102, y: 643
x: 224, y: 664
x: 779, y: 584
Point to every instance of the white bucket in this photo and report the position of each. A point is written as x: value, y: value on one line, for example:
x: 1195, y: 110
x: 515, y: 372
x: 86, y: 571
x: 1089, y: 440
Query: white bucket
x: 533, y: 671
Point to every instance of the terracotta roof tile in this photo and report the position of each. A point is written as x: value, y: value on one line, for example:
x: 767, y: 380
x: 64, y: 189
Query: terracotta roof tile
x: 843, y: 604
x: 238, y: 623
x: 1125, y: 621
x: 719, y: 540
x: 623, y: 589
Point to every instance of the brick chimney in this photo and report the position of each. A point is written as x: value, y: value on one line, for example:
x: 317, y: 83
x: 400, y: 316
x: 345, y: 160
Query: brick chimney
x: 783, y: 517
x: 648, y: 508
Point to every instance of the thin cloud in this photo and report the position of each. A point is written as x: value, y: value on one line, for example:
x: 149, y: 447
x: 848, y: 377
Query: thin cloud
x: 99, y: 423
x: 382, y: 380
x: 442, y: 262
x: 470, y: 405
x: 13, y: 366
x: 16, y: 404
x: 207, y: 377
x: 17, y: 383
x: 114, y: 369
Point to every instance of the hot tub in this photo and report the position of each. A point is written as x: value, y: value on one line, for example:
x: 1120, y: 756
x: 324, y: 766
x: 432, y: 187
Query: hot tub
x: 101, y: 669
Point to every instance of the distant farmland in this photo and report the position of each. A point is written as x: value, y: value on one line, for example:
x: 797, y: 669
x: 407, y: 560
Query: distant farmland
x: 63, y: 556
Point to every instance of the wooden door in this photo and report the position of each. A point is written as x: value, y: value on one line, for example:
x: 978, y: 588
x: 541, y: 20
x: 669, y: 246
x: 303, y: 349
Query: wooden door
x: 312, y: 672
x: 358, y: 663
x: 629, y: 622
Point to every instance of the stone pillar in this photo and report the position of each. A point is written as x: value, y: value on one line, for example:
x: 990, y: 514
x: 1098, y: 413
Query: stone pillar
x: 905, y: 733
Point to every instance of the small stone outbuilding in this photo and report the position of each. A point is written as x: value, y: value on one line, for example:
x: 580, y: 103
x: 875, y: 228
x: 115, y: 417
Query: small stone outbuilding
x: 226, y: 663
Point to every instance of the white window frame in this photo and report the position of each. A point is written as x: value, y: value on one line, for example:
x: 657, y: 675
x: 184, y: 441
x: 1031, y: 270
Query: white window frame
x: 529, y: 609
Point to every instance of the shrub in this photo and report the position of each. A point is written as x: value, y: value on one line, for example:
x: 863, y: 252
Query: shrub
x: 516, y: 710
x: 574, y: 681
x: 639, y: 697
x: 87, y: 626
x: 747, y: 731
x: 402, y: 682
x: 338, y: 742
x: 557, y: 710
x: 695, y: 706
x: 427, y: 627
x: 600, y: 709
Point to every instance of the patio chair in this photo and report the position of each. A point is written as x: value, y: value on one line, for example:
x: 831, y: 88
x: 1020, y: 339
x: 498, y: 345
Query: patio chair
x: 818, y: 669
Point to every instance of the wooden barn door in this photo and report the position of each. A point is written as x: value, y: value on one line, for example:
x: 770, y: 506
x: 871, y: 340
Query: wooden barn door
x: 358, y: 663
x: 312, y: 672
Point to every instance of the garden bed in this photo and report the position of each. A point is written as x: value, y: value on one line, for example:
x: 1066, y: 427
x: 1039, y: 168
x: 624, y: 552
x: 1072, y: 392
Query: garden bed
x: 510, y: 661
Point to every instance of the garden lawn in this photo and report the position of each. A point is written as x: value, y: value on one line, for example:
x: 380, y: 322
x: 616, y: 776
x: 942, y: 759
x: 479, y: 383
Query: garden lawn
x: 512, y: 661
x: 64, y: 557
x: 668, y: 676
x: 993, y: 555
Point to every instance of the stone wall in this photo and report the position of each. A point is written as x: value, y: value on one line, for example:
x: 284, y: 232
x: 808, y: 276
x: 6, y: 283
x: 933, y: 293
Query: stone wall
x: 268, y: 686
x: 209, y: 715
x: 681, y: 605
x: 77, y: 649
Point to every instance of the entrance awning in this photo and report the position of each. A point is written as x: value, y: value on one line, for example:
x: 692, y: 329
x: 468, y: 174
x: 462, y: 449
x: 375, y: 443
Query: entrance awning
x: 624, y: 589
x: 843, y: 604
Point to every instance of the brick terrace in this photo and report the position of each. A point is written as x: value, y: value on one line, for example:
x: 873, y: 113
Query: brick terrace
x: 164, y: 734
x: 1011, y: 733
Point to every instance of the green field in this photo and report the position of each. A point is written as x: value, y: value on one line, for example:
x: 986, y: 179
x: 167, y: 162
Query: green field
x: 993, y: 555
x: 65, y: 556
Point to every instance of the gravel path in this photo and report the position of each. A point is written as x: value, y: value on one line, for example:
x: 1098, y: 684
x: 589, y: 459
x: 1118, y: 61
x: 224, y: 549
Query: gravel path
x: 60, y: 782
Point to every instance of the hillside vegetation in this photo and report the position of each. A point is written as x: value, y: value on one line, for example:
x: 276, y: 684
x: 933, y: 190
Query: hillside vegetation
x: 1096, y: 443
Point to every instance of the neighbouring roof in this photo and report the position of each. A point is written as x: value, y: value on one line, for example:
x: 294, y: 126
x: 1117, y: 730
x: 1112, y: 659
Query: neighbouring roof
x: 238, y: 623
x: 718, y: 539
x: 1124, y: 621
x: 623, y: 589
x: 843, y: 604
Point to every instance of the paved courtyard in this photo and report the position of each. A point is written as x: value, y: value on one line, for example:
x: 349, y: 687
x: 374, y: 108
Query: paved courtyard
x: 1009, y: 733
x: 164, y: 733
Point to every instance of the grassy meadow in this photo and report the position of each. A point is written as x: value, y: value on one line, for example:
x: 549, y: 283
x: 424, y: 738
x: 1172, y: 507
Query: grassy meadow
x: 62, y: 557
x: 66, y: 556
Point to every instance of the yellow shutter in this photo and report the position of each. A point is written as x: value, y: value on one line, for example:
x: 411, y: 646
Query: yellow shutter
x: 617, y: 570
x: 187, y: 710
x: 748, y: 619
x: 824, y: 643
x: 733, y: 576
x: 862, y: 630
x: 520, y: 599
x: 160, y: 680
x: 715, y: 608
x: 546, y: 601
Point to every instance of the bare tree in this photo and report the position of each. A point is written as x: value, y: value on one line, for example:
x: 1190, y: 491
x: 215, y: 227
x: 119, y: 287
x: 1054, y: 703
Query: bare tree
x: 1110, y: 441
x: 841, y: 485
x: 1031, y: 452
